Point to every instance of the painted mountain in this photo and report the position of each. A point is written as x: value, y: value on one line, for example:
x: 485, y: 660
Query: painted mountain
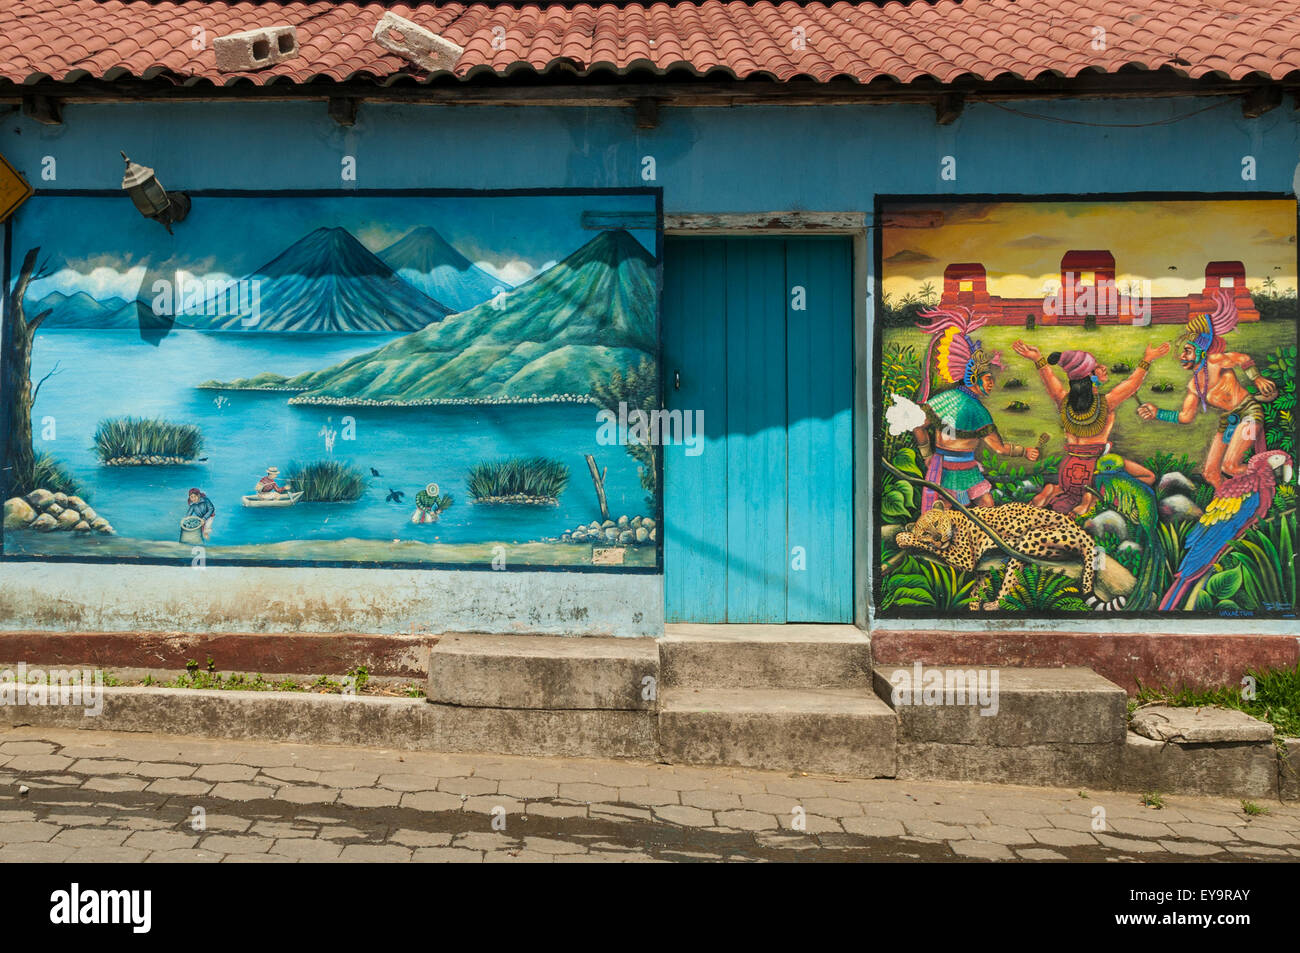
x: 81, y: 312
x: 430, y: 264
x: 326, y: 281
x: 554, y: 334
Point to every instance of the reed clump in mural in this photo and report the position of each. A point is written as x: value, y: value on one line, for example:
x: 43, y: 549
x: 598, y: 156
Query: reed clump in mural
x: 326, y: 481
x: 536, y: 481
x: 140, y: 441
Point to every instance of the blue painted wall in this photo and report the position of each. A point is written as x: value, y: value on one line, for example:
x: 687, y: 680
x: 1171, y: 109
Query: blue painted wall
x: 706, y: 160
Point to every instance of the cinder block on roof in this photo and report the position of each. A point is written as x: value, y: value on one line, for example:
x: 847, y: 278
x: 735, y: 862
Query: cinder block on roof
x: 411, y: 41
x: 255, y: 49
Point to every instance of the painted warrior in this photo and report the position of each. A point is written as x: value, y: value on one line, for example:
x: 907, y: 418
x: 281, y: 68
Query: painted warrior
x: 1215, y: 384
x: 958, y: 376
x: 1087, y: 417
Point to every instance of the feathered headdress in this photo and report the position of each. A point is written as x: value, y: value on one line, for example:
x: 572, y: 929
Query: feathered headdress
x: 954, y: 358
x: 1206, y: 331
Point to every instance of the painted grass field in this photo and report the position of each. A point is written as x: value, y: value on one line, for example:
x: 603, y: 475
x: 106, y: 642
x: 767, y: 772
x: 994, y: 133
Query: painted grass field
x: 1132, y: 436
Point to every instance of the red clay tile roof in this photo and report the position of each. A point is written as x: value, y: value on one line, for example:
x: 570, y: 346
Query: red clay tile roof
x: 943, y: 41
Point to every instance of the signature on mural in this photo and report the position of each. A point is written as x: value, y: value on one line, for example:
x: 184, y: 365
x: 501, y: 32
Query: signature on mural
x: 467, y: 336
x: 1067, y: 499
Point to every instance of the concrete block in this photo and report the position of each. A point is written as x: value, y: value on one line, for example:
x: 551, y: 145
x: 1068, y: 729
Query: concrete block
x: 410, y: 724
x: 1049, y: 765
x: 413, y: 42
x: 544, y: 672
x: 833, y: 731
x: 1074, y: 707
x: 1288, y: 770
x: 1199, y: 725
x: 255, y: 49
x: 1229, y: 769
x: 542, y: 734
x: 765, y: 656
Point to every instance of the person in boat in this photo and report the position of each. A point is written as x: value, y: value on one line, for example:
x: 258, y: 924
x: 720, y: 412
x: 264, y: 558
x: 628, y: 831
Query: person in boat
x: 267, y: 488
x: 1087, y: 419
x: 202, y: 507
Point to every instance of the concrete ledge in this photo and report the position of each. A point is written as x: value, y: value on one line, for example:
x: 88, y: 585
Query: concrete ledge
x: 1050, y: 765
x: 412, y: 724
x: 1034, y: 707
x: 1240, y: 769
x: 764, y: 656
x: 1288, y: 770
x: 544, y: 672
x: 1199, y: 725
x: 1197, y: 660
x: 271, y: 653
x: 835, y: 731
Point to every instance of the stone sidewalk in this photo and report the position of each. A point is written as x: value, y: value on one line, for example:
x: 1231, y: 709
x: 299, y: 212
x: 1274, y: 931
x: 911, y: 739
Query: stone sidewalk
x: 97, y: 796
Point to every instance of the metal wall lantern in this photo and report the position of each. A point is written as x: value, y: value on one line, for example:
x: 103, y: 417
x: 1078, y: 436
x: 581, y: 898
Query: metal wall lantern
x: 151, y: 199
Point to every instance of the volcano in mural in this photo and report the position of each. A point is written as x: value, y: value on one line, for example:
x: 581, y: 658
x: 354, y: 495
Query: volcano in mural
x: 326, y: 282
x: 428, y: 262
x: 399, y: 405
x: 550, y: 337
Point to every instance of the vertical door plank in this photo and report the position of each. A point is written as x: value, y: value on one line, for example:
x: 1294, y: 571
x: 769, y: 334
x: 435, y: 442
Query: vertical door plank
x: 756, y: 421
x: 820, y: 473
x: 695, y: 484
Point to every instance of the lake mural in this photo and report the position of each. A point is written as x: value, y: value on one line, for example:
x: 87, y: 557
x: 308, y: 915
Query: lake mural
x: 376, y: 379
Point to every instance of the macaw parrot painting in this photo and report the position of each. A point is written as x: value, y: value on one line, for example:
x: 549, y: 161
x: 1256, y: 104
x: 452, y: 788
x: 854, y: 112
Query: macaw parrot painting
x: 1087, y: 408
x: 1238, y: 505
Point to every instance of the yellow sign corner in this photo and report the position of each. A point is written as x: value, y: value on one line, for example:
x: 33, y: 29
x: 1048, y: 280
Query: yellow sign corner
x: 14, y: 189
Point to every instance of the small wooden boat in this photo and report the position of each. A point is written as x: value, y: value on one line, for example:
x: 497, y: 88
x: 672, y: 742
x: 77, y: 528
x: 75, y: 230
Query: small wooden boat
x: 280, y: 499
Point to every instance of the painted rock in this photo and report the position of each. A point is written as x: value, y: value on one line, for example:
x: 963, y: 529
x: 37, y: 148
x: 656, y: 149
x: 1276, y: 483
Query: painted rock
x: 87, y: 513
x: 642, y: 534
x: 54, y: 509
x: 39, y: 498
x: 68, y: 519
x: 81, y: 527
x: 18, y: 513
x: 45, y: 522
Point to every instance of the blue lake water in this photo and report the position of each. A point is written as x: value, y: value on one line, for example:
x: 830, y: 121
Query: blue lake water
x: 116, y: 373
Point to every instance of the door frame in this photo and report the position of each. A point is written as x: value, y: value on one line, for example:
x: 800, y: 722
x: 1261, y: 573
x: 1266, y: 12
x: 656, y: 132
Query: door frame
x: 806, y: 224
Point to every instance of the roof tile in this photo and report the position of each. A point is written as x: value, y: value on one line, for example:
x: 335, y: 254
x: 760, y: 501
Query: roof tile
x: 66, y: 39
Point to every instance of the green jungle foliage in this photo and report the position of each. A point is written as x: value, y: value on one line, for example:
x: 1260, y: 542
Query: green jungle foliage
x: 537, y: 477
x: 1015, y: 479
x: 1257, y: 573
x: 1164, y: 462
x: 140, y: 437
x: 1129, y: 558
x: 1038, y: 590
x: 925, y: 583
x: 904, y: 312
x: 1274, y: 305
x: 1279, y: 413
x: 326, y: 481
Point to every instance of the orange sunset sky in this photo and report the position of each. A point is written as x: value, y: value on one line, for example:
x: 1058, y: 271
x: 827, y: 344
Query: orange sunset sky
x: 1167, y: 243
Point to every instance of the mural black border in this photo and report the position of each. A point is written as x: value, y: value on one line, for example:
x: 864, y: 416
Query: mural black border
x: 6, y: 383
x: 882, y: 200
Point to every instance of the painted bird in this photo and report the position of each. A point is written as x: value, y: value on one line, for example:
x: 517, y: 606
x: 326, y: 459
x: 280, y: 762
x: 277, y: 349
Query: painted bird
x: 374, y: 472
x: 1238, y: 505
x: 394, y: 496
x: 1136, y: 503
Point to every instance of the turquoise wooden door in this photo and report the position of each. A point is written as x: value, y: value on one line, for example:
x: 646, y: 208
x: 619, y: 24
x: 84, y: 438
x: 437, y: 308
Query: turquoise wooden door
x: 758, y: 514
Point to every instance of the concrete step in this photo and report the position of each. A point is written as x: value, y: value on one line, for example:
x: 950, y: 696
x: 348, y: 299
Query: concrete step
x: 834, y: 731
x: 764, y: 656
x: 544, y: 672
x: 982, y: 723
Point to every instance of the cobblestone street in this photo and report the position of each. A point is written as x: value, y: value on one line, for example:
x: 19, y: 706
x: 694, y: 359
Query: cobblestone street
x: 99, y: 796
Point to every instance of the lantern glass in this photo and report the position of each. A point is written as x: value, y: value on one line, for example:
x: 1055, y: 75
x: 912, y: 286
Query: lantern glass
x: 145, y: 190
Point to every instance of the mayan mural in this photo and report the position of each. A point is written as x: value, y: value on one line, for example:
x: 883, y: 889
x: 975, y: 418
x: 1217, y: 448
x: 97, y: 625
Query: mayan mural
x: 368, y: 379
x: 1087, y: 407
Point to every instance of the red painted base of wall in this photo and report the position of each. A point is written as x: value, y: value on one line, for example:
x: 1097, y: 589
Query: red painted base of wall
x: 1166, y: 660
x: 269, y: 653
